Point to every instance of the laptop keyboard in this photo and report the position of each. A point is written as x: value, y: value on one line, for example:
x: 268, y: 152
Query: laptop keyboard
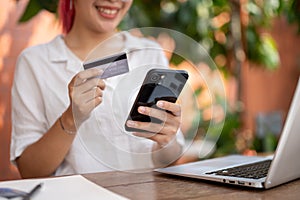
x: 255, y: 170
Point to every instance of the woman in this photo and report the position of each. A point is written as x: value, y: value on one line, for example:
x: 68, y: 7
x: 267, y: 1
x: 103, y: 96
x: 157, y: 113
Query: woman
x: 50, y: 88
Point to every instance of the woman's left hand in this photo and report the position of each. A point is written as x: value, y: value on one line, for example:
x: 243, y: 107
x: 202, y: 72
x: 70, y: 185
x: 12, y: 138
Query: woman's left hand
x: 164, y: 132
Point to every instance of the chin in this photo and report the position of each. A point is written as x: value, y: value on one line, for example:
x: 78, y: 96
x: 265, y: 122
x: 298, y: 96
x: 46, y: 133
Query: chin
x: 108, y: 27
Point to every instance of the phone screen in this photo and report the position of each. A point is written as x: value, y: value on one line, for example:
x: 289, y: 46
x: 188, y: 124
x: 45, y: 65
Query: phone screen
x: 159, y: 84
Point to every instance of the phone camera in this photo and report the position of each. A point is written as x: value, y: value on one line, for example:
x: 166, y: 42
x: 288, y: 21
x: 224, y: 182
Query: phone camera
x: 155, y: 77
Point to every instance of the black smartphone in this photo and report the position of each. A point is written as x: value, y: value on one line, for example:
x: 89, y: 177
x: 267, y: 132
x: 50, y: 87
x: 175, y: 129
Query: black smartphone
x: 159, y: 84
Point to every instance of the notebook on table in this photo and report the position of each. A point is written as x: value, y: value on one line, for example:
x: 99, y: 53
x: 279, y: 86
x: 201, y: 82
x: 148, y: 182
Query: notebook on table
x: 253, y: 171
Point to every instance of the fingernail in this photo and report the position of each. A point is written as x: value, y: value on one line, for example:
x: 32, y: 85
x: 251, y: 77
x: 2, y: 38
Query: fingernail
x: 160, y: 104
x: 100, y: 72
x: 142, y: 109
x: 131, y: 123
x: 135, y: 134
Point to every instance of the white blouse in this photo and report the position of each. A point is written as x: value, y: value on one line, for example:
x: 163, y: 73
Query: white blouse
x: 40, y: 96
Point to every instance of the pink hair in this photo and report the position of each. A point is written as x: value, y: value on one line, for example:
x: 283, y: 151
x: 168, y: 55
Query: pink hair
x: 66, y: 14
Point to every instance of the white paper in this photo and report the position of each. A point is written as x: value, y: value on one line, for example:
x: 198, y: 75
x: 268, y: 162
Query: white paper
x: 74, y: 187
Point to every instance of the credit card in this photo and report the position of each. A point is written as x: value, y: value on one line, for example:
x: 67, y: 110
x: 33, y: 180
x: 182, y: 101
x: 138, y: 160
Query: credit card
x: 112, y: 65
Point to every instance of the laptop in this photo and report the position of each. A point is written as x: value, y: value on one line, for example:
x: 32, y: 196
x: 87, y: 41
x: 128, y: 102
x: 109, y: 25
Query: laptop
x: 253, y: 171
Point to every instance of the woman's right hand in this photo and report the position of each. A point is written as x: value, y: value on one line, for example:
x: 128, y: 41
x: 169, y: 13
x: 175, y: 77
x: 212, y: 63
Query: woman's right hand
x: 85, y: 93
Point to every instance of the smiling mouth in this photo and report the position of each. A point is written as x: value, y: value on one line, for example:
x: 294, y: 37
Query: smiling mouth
x: 107, y: 12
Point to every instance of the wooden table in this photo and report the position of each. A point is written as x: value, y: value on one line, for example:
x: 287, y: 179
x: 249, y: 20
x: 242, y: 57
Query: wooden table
x: 153, y: 185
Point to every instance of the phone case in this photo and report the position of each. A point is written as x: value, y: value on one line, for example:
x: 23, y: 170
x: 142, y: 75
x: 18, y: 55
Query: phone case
x: 159, y: 84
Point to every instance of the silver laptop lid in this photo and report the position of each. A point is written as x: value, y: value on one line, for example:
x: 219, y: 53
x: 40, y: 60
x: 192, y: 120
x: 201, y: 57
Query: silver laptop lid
x: 286, y: 163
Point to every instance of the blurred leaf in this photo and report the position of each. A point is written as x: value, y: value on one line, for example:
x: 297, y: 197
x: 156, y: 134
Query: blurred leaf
x: 50, y: 5
x: 253, y: 9
x: 32, y: 8
x: 292, y: 11
x: 262, y: 49
x: 253, y: 41
x: 220, y: 3
x: 268, y: 52
x: 269, y: 143
x: 265, y: 144
x: 226, y: 142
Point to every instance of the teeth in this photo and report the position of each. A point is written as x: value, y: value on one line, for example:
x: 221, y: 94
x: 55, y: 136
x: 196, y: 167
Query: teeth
x: 108, y: 11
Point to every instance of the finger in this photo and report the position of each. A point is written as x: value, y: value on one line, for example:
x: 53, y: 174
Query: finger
x: 93, y: 103
x: 90, y: 84
x: 165, y: 117
x: 153, y: 127
x: 89, y: 106
x: 148, y: 135
x: 174, y: 108
x: 145, y: 126
x: 95, y: 82
x: 161, y: 140
x: 83, y: 76
x: 162, y: 115
x: 92, y: 94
